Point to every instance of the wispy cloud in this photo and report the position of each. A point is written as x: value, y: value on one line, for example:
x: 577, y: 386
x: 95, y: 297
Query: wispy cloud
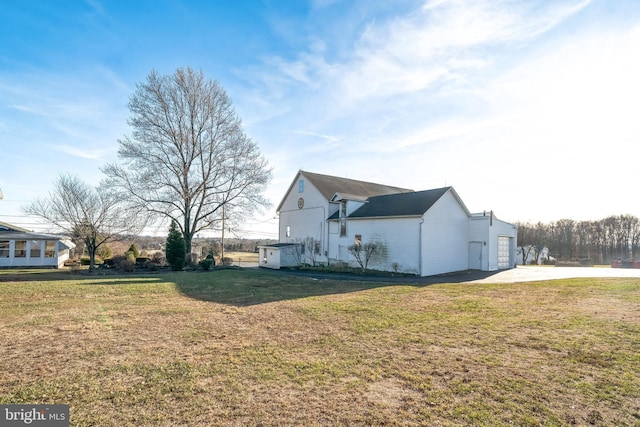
x: 30, y: 110
x: 83, y: 153
x: 476, y: 93
x: 328, y: 138
x: 441, y: 44
x: 458, y: 81
x: 438, y: 42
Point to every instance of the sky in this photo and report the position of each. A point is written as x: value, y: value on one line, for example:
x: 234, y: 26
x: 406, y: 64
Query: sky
x: 527, y: 108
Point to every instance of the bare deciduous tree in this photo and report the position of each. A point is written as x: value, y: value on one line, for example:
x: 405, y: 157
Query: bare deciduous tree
x: 363, y: 253
x: 188, y: 156
x: 526, y: 240
x: 616, y: 237
x: 91, y: 216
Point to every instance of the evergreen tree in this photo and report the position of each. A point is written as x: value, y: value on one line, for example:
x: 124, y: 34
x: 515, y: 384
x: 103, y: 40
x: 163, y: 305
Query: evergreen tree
x: 175, y: 249
x: 134, y: 250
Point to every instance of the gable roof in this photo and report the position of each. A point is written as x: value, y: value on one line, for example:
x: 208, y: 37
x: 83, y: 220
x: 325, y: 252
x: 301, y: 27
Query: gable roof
x: 329, y: 185
x: 13, y: 232
x: 415, y: 203
x: 403, y: 204
x: 5, y: 226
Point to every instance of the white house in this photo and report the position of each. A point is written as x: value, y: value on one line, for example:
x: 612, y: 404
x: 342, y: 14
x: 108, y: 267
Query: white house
x: 526, y: 255
x: 418, y: 232
x: 23, y: 248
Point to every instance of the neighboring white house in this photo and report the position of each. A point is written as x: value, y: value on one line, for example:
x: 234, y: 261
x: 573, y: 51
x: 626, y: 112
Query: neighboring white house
x: 23, y: 248
x: 418, y: 232
x: 530, y: 255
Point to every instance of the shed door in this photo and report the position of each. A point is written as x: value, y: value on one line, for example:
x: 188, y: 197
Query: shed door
x: 503, y: 253
x: 475, y: 255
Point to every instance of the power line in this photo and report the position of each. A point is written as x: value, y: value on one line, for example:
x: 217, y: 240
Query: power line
x: 16, y: 201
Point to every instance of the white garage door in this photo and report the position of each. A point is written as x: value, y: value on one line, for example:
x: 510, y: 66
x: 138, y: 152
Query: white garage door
x: 503, y: 253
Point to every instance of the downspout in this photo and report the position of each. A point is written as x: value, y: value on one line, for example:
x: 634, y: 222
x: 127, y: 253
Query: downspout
x: 420, y: 246
x: 326, y: 222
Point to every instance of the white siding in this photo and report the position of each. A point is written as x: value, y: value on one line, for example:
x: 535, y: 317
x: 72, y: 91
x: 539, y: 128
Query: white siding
x: 397, y: 240
x: 276, y: 257
x: 353, y: 205
x: 489, y: 231
x: 438, y: 242
x: 501, y: 230
x: 269, y: 257
x: 308, y: 222
x: 479, y: 232
x: 445, y: 240
x: 57, y: 261
x: 475, y: 255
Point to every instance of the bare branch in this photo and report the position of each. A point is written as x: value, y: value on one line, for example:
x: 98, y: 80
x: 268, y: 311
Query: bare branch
x: 188, y: 155
x: 86, y: 214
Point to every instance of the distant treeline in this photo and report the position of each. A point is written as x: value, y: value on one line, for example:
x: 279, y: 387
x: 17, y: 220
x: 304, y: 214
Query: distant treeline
x: 150, y: 244
x: 611, y: 238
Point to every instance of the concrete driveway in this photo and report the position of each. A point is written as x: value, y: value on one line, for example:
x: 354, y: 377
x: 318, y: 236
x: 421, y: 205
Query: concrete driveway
x: 519, y: 274
x: 533, y: 273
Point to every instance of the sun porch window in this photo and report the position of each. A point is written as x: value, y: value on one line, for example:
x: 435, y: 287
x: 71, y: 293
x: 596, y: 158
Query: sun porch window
x: 20, y: 249
x: 4, y: 249
x: 49, y: 249
x: 35, y: 248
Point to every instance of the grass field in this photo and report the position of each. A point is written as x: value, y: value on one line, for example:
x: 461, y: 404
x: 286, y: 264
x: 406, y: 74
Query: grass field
x: 242, y: 256
x: 248, y: 347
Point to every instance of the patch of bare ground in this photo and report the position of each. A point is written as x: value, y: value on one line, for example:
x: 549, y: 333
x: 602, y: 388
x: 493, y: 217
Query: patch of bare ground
x: 150, y: 353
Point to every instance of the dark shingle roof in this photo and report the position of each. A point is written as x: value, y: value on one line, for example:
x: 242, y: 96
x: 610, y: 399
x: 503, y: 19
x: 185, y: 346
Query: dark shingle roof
x: 402, y: 204
x: 279, y: 245
x: 330, y: 185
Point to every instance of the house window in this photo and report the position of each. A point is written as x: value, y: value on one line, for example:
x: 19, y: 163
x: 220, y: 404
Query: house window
x: 20, y: 250
x: 316, y: 247
x: 35, y: 248
x: 4, y: 249
x: 288, y: 231
x: 301, y: 186
x: 49, y: 249
x: 358, y: 242
x: 343, y: 218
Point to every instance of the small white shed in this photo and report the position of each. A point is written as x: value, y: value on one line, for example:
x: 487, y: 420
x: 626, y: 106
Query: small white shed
x: 279, y: 255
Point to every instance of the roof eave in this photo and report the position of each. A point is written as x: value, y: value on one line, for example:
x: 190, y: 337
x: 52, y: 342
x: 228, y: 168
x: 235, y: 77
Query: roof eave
x: 457, y: 197
x: 378, y: 217
x: 295, y: 179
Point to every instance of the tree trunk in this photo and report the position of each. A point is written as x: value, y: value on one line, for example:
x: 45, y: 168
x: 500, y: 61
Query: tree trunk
x: 186, y: 233
x: 91, y: 248
x: 187, y: 242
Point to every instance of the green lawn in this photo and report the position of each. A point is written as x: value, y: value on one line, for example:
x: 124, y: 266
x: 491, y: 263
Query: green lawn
x: 247, y: 347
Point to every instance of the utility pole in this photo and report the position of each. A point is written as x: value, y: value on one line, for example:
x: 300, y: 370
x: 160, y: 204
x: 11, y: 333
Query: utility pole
x: 222, y: 240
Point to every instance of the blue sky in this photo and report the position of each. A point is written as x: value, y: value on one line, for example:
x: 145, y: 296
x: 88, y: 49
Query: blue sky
x: 528, y: 108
